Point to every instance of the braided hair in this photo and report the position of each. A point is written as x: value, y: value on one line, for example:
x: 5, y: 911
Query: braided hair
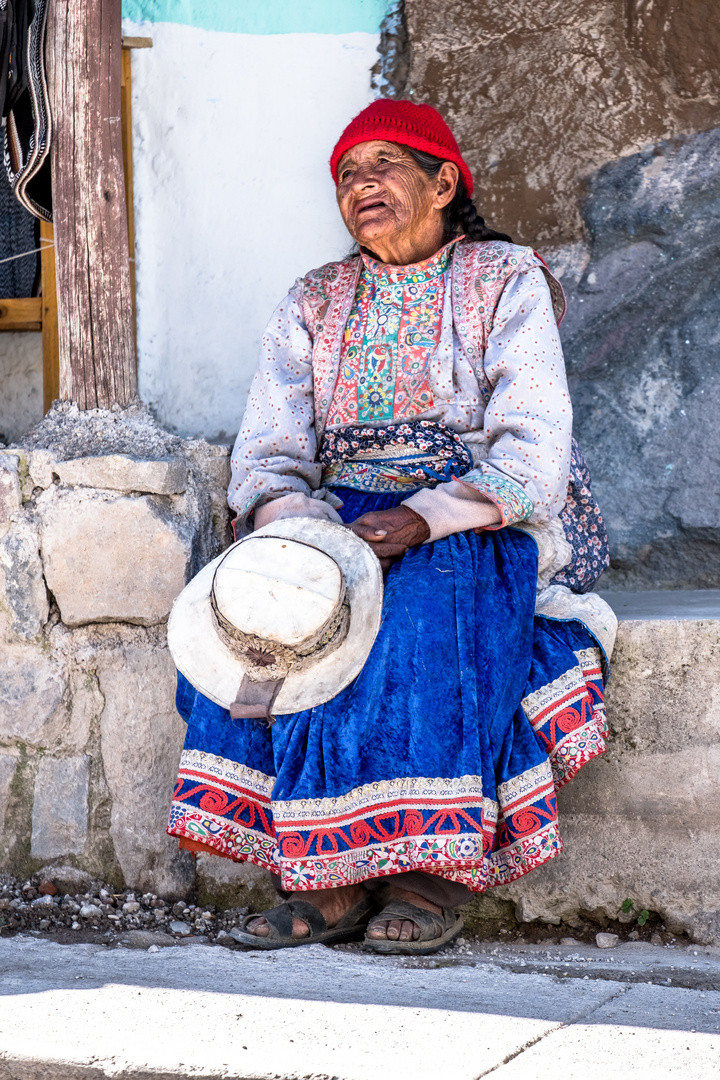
x: 460, y: 215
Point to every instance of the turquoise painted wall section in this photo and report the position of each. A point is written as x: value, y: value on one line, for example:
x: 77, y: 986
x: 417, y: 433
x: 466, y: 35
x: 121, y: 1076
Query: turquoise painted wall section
x: 264, y: 16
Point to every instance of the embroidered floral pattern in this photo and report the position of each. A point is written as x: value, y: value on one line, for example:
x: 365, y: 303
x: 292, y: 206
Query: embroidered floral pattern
x: 584, y: 530
x: 326, y: 300
x: 391, y: 333
x: 509, y: 497
x: 414, y: 454
x: 410, y: 823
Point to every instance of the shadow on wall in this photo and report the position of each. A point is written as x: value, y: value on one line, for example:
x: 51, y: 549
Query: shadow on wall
x: 641, y: 342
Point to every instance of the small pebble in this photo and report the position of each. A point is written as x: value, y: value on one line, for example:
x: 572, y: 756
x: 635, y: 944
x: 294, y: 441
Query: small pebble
x: 606, y: 941
x: 47, y: 888
x: 131, y: 908
x: 89, y: 911
x: 43, y: 901
x: 569, y: 941
x: 180, y: 928
x: 153, y: 949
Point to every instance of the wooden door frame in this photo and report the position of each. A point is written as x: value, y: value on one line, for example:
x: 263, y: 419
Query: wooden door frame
x: 40, y: 313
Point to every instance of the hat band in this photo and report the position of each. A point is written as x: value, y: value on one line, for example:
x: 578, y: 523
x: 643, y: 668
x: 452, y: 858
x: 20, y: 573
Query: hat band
x: 266, y: 659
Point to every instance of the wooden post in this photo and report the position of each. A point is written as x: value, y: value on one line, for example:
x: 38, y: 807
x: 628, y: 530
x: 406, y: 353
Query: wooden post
x: 51, y: 364
x: 95, y: 327
x: 127, y: 147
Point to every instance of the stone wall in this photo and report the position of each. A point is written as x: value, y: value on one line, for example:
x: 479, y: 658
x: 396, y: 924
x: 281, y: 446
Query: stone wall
x: 103, y: 518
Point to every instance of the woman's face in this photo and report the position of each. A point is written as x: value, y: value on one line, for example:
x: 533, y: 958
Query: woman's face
x: 389, y: 204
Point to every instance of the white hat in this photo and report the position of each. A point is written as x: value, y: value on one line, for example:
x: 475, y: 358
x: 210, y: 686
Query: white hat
x: 282, y: 620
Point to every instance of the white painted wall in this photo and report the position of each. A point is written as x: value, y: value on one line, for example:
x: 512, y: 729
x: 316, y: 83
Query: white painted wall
x: 233, y: 200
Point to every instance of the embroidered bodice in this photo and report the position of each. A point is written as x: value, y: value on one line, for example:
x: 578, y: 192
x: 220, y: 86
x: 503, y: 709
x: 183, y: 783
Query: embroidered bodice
x: 392, y: 332
x: 472, y: 345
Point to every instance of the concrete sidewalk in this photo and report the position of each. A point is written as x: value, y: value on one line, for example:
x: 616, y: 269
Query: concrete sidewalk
x: 200, y: 1012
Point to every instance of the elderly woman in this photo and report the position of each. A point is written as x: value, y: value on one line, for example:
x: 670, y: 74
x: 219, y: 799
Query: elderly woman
x: 416, y: 392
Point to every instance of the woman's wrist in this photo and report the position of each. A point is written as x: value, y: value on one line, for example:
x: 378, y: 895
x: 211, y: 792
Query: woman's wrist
x: 451, y: 508
x: 295, y: 504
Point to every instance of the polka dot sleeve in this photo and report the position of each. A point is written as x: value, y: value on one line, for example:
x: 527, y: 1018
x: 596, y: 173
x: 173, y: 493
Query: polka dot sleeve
x: 528, y: 419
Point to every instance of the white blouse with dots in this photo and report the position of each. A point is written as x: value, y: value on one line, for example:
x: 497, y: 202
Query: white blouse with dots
x: 520, y: 439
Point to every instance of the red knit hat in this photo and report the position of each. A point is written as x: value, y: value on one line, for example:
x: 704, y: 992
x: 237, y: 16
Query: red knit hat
x: 418, y: 126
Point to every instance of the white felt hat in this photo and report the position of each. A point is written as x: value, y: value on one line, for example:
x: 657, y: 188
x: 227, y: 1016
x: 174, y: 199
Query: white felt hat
x: 294, y: 607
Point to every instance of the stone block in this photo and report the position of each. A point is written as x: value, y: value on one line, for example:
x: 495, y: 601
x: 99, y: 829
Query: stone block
x: 121, y: 472
x: 23, y: 595
x: 31, y: 692
x: 8, y: 765
x: 68, y: 879
x: 229, y: 884
x: 41, y: 466
x: 113, y: 560
x: 10, y: 490
x: 86, y: 705
x: 142, y: 737
x: 641, y: 332
x: 663, y: 696
x: 60, y: 807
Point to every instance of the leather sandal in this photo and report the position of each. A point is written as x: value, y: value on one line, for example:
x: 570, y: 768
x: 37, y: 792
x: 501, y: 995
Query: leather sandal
x: 435, y: 930
x: 280, y: 919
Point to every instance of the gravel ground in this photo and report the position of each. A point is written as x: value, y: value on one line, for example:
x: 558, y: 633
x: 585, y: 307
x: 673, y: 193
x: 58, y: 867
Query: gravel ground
x: 65, y: 905
x: 55, y: 907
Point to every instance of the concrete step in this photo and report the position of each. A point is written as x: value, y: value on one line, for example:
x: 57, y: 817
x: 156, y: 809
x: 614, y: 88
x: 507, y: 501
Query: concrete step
x: 667, y: 604
x: 85, y: 1012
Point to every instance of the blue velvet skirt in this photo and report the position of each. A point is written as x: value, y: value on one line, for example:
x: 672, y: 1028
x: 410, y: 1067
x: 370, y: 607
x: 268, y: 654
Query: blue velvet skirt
x: 445, y: 753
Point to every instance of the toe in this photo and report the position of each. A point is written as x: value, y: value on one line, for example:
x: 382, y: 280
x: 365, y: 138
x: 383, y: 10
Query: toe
x: 393, y: 929
x: 378, y: 931
x: 300, y: 928
x: 406, y: 930
x: 258, y: 927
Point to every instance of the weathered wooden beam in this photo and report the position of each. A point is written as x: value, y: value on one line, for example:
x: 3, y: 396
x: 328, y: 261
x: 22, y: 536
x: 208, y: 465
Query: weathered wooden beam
x: 97, y: 354
x: 126, y: 135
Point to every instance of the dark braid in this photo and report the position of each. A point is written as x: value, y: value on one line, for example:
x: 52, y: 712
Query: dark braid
x: 461, y: 216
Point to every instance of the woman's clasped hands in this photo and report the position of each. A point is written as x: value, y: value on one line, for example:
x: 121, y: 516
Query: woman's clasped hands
x: 391, y: 533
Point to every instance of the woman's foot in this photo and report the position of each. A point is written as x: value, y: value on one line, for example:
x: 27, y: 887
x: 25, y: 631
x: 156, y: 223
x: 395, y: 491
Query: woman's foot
x: 331, y: 903
x: 396, y: 929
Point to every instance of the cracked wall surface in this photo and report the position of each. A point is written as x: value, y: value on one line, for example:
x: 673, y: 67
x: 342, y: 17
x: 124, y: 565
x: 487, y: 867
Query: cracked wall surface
x: 541, y: 94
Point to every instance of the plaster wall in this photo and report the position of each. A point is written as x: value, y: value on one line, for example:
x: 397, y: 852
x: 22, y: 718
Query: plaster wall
x: 233, y: 196
x: 21, y: 374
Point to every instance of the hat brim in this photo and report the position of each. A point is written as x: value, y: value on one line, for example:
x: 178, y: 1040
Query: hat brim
x: 216, y: 672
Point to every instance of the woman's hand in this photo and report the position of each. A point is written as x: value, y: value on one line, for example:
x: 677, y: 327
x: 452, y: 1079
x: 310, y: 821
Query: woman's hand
x: 391, y: 533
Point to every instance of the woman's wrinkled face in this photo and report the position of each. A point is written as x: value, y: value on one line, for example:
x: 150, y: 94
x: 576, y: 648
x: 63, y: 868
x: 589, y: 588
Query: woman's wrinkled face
x: 386, y: 200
